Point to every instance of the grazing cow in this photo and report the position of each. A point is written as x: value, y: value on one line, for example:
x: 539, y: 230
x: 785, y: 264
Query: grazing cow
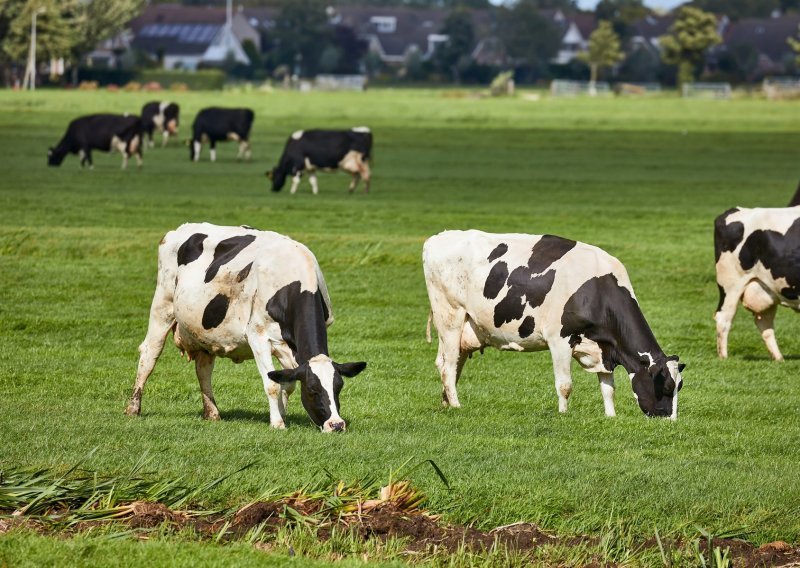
x: 163, y: 116
x: 106, y: 132
x: 758, y: 262
x: 520, y: 292
x: 239, y: 293
x: 216, y: 124
x: 329, y: 150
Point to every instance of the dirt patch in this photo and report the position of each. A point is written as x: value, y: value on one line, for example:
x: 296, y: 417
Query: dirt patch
x: 745, y: 555
x: 146, y: 515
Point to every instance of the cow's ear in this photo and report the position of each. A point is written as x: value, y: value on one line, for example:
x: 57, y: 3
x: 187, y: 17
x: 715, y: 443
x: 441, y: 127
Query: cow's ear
x: 285, y: 375
x: 50, y: 151
x: 681, y: 367
x: 646, y: 361
x: 269, y: 174
x: 350, y: 369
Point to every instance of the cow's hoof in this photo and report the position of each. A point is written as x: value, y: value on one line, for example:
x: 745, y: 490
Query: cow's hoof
x: 213, y: 416
x: 278, y: 425
x: 132, y: 410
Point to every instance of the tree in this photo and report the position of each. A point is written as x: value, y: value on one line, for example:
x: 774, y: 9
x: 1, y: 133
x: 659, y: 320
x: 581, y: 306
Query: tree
x: 453, y: 55
x: 622, y: 14
x: 795, y: 45
x: 58, y: 25
x: 737, y: 9
x: 604, y: 51
x: 530, y: 39
x: 689, y: 37
x: 301, y: 34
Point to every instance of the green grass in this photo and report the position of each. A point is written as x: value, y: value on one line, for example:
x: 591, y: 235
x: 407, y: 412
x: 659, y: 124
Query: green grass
x: 643, y: 179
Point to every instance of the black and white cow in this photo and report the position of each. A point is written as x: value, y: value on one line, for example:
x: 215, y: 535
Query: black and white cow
x: 757, y: 255
x: 216, y: 124
x: 162, y: 116
x: 519, y: 292
x: 105, y: 132
x: 239, y: 293
x: 328, y: 150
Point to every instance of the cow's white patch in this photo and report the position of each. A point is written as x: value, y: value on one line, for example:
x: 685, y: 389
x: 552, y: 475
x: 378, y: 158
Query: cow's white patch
x: 649, y: 356
x: 233, y: 136
x: 297, y: 135
x: 197, y: 147
x: 162, y: 106
x: 676, y: 376
x: 352, y: 161
x: 213, y: 153
x: 322, y: 367
x: 361, y: 129
x: 158, y: 120
x: 314, y: 186
x: 295, y: 183
x: 117, y: 144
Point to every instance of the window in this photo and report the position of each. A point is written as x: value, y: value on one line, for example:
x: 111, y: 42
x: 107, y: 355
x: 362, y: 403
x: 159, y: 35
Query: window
x: 384, y: 24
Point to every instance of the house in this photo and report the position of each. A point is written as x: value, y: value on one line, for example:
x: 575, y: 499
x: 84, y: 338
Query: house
x: 767, y: 36
x: 575, y: 30
x: 648, y: 31
x: 185, y: 37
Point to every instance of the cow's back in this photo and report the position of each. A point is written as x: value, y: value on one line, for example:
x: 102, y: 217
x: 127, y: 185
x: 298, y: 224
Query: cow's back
x: 499, y: 279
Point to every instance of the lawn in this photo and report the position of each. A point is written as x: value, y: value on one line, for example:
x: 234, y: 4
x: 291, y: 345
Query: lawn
x: 642, y: 179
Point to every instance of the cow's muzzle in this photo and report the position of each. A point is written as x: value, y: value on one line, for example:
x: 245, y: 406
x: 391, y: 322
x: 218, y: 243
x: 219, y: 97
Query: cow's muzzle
x: 334, y: 426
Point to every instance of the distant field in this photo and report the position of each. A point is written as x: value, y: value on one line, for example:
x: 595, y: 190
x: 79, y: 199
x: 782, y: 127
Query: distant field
x: 642, y: 179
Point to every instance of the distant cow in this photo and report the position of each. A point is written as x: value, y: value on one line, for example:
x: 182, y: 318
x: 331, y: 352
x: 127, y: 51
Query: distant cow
x: 105, y: 132
x: 215, y: 124
x: 239, y: 293
x: 310, y: 150
x: 521, y: 292
x: 162, y: 116
x: 758, y: 262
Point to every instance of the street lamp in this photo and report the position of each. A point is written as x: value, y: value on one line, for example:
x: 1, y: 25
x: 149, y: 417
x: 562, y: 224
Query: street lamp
x: 30, y: 70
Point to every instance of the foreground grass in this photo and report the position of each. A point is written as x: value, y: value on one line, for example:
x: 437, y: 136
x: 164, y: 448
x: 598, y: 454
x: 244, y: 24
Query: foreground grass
x: 641, y: 178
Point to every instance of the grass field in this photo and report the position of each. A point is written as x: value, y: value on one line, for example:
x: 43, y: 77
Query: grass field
x: 642, y: 179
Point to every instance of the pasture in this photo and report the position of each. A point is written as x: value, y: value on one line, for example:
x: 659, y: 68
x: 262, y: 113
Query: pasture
x: 642, y: 179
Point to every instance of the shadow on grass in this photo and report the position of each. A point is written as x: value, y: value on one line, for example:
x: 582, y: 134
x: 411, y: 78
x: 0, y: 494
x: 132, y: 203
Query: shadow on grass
x: 293, y: 420
x: 768, y: 358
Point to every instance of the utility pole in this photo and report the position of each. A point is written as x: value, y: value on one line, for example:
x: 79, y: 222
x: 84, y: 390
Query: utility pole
x: 30, y: 69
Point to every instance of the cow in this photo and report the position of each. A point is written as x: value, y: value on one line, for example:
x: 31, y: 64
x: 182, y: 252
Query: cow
x: 162, y: 116
x: 105, y: 132
x: 240, y: 293
x: 757, y: 254
x: 795, y: 198
x: 328, y: 150
x: 216, y: 124
x: 518, y: 292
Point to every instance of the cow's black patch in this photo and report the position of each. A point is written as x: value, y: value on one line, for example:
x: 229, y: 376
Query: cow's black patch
x: 523, y: 287
x: 191, y: 249
x: 225, y: 252
x: 726, y: 236
x: 721, y: 297
x: 248, y: 227
x: 244, y: 272
x: 496, y: 280
x: 301, y: 315
x: 215, y: 311
x: 548, y: 250
x: 795, y: 198
x: 527, y: 326
x: 498, y: 251
x: 780, y: 254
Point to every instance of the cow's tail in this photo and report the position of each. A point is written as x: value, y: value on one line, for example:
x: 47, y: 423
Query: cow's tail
x: 428, y: 327
x: 795, y: 198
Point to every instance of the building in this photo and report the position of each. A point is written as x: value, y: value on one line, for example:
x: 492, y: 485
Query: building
x: 186, y: 37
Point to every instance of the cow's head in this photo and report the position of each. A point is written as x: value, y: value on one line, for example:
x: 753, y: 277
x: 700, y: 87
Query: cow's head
x: 320, y: 384
x: 171, y: 114
x: 656, y: 385
x: 278, y: 177
x: 55, y: 157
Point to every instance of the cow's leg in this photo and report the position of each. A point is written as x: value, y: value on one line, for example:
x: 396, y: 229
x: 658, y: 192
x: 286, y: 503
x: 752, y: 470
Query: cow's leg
x: 729, y: 300
x: 86, y: 158
x: 762, y: 304
x: 259, y: 344
x: 449, y: 358
x: 149, y: 132
x: 197, y: 147
x: 204, y: 367
x: 160, y: 323
x: 244, y: 150
x: 562, y: 359
x: 164, y: 136
x: 607, y: 390
x: 295, y: 183
x: 213, y: 151
x: 314, y: 186
x: 365, y: 175
x: 354, y: 178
